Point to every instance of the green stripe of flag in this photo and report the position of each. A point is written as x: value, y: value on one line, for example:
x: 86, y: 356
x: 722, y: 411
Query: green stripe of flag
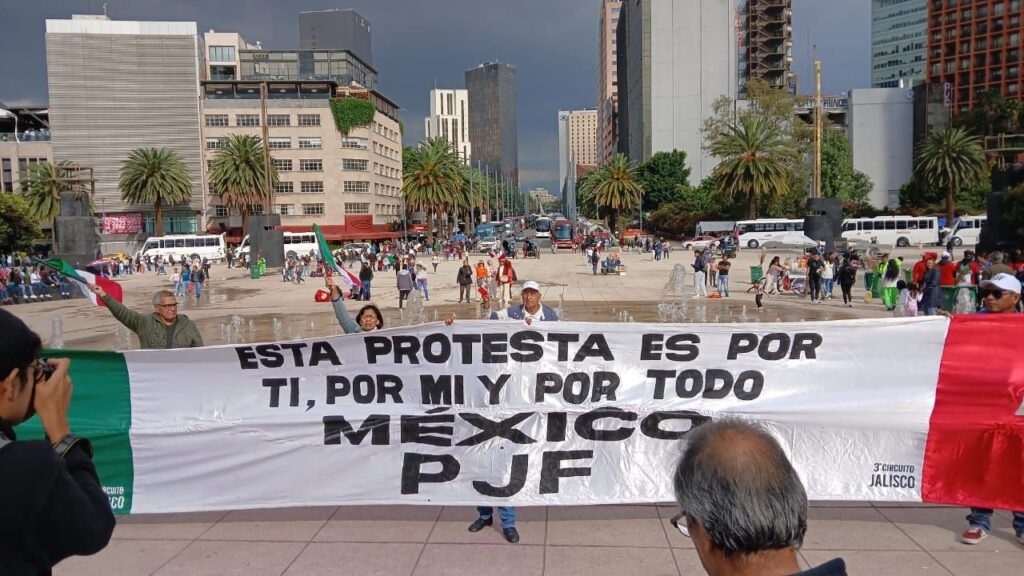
x: 100, y: 411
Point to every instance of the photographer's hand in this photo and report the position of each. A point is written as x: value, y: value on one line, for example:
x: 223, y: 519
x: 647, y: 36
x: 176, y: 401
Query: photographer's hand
x: 53, y: 397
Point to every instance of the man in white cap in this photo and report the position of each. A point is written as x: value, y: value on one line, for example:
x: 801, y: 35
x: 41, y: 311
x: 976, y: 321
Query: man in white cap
x: 1000, y: 295
x: 531, y: 309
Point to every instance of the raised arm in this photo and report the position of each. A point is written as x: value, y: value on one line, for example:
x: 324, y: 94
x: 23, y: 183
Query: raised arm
x: 130, y: 318
x: 348, y: 324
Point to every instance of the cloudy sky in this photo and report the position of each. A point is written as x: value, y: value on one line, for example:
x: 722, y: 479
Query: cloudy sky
x: 418, y: 44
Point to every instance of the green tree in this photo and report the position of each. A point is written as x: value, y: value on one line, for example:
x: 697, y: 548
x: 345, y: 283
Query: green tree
x: 661, y: 176
x: 615, y: 187
x: 839, y: 179
x: 951, y: 160
x: 18, y: 226
x: 155, y: 176
x: 433, y: 179
x: 238, y: 177
x: 754, y: 156
x: 46, y: 182
x: 993, y: 115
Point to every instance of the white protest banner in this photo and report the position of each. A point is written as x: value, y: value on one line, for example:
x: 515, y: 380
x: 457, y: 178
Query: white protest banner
x: 548, y: 414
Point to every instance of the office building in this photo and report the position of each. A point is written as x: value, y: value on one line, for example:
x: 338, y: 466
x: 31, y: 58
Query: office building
x: 493, y: 128
x: 671, y: 73
x: 24, y: 141
x: 116, y: 86
x: 336, y: 30
x: 607, y: 80
x: 449, y: 119
x: 765, y: 32
x: 899, y: 31
x: 577, y: 144
x: 976, y: 47
x: 881, y: 131
x: 350, y: 184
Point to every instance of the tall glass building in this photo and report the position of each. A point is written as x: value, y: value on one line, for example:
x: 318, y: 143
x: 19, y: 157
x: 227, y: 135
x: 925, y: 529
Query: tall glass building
x: 899, y: 30
x: 492, y: 118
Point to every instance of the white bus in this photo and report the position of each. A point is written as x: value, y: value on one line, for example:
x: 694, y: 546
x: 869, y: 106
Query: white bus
x: 296, y: 245
x: 968, y: 230
x: 901, y: 231
x: 753, y: 233
x: 543, y: 227
x: 192, y: 246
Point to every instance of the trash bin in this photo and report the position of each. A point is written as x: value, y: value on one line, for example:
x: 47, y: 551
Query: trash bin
x: 876, y: 286
x: 869, y: 279
x: 254, y: 272
x: 756, y: 273
x: 908, y: 275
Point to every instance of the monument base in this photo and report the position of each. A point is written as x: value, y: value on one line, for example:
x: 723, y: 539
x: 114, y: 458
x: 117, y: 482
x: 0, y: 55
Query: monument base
x: 266, y: 240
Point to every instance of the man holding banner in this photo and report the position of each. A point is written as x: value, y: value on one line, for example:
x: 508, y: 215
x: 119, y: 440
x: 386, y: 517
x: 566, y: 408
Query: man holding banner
x: 164, y: 328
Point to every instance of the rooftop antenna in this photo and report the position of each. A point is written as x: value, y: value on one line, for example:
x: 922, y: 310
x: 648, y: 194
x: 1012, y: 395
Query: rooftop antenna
x: 104, y: 8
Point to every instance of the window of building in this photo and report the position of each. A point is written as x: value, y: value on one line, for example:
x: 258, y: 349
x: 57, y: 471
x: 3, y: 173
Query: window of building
x: 312, y: 209
x: 216, y: 119
x: 279, y: 120
x: 312, y: 142
x: 357, y: 207
x: 209, y: 166
x: 284, y: 209
x: 311, y: 165
x: 312, y: 187
x: 282, y: 164
x: 257, y: 208
x: 7, y: 180
x: 284, y: 187
x: 280, y: 143
x: 215, y: 143
x: 222, y: 53
x: 356, y: 187
x: 354, y: 164
x: 220, y: 211
x: 309, y: 119
x: 355, y: 143
x: 247, y: 120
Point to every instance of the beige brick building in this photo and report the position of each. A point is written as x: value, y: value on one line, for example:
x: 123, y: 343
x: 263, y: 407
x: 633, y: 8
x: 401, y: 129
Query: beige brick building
x: 325, y: 177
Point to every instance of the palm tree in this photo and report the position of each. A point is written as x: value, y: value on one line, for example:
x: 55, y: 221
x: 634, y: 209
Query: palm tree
x: 46, y: 182
x: 155, y: 176
x: 754, y: 158
x: 951, y: 159
x: 432, y: 179
x: 614, y: 186
x: 237, y: 175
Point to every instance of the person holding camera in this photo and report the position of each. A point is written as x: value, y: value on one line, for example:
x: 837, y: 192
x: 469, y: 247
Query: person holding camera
x: 54, y: 506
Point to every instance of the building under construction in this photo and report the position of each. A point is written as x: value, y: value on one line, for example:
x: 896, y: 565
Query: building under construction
x: 765, y: 37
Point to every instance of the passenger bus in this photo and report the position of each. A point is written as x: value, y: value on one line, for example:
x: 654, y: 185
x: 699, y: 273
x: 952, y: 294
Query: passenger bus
x: 901, y: 231
x: 543, y: 227
x: 968, y: 230
x: 562, y: 233
x: 486, y: 229
x: 753, y: 233
x: 191, y: 246
x: 296, y: 245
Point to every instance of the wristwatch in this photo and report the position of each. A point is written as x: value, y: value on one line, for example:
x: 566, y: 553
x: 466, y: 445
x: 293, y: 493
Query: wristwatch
x: 65, y: 444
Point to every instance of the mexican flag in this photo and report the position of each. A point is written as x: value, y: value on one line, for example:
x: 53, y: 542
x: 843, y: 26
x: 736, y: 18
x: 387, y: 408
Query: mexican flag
x: 350, y: 279
x: 82, y: 279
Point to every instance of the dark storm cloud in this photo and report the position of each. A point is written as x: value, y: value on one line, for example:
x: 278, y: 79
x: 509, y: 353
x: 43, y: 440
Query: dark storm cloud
x: 418, y: 44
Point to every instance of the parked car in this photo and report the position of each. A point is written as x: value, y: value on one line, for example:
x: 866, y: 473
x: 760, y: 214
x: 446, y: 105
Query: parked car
x: 486, y: 244
x: 698, y: 242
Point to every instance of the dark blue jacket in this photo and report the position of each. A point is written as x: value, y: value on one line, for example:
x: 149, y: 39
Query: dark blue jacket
x: 517, y: 313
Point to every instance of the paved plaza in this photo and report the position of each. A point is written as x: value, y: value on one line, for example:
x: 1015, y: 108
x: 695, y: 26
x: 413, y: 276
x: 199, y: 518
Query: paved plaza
x: 879, y: 539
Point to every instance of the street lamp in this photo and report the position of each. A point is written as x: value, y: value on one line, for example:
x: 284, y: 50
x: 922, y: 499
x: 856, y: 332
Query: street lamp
x: 9, y: 114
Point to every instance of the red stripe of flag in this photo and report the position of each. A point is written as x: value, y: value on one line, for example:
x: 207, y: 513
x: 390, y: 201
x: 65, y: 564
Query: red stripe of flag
x: 975, y: 451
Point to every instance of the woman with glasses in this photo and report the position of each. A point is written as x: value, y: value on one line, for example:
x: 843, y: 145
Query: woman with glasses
x: 53, y: 505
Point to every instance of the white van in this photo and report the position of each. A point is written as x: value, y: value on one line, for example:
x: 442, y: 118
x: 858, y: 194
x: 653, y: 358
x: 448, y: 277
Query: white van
x: 753, y: 233
x: 899, y: 231
x: 296, y: 245
x: 192, y: 246
x: 968, y: 230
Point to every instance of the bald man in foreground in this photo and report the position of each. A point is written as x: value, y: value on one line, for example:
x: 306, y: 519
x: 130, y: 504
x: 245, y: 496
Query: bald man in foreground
x: 742, y: 503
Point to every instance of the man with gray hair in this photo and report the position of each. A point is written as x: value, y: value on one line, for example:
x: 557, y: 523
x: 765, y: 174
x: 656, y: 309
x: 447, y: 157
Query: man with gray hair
x: 742, y: 503
x: 164, y: 328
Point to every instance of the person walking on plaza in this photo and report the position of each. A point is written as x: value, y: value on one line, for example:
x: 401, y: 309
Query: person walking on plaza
x: 367, y: 319
x: 742, y: 503
x: 890, y: 281
x: 164, y: 328
x: 434, y: 261
x: 464, y: 278
x: 595, y: 259
x: 405, y: 284
x: 198, y: 278
x: 421, y: 281
x: 723, y: 276
x: 699, y: 272
x: 530, y: 311
x: 366, y: 277
x: 54, y: 506
x: 847, y: 278
x: 931, y: 289
x: 1000, y: 295
x: 814, y: 268
x: 828, y: 274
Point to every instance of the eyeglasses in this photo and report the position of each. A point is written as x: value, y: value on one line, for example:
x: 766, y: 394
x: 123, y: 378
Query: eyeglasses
x: 681, y: 522
x: 175, y: 305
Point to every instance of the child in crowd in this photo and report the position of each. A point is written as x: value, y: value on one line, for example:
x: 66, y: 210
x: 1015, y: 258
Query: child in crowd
x: 906, y: 302
x: 760, y: 287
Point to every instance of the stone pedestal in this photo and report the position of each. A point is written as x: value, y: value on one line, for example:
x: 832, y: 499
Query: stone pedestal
x: 77, y: 239
x: 824, y: 220
x: 266, y: 240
